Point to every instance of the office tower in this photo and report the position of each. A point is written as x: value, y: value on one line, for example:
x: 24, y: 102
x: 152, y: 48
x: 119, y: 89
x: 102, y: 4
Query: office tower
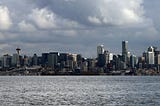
x: 39, y: 60
x: 63, y: 59
x: 110, y: 57
x: 69, y: 62
x: 1, y: 62
x: 53, y: 59
x: 133, y: 61
x: 124, y: 47
x: 26, y: 61
x: 101, y: 56
x: 125, y: 51
x: 157, y: 59
x: 18, y: 60
x: 150, y: 58
x: 106, y: 56
x: 145, y: 57
x: 63, y: 56
x: 79, y: 60
x: 6, y: 61
x: 44, y: 59
x: 74, y: 57
x: 151, y: 49
x: 29, y: 61
x: 101, y: 60
x: 100, y: 50
x: 156, y: 52
x: 91, y: 64
x: 14, y: 60
x: 35, y: 59
x: 73, y: 61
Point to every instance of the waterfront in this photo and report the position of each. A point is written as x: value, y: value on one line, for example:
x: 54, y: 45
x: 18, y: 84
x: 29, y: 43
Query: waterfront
x: 79, y: 90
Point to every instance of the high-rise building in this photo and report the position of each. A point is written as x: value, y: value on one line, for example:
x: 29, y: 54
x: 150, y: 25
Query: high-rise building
x: 1, y: 62
x: 53, y: 59
x: 100, y: 50
x: 150, y: 58
x: 101, y: 60
x: 73, y: 60
x: 110, y: 57
x: 14, y: 60
x: 151, y: 49
x: 124, y: 47
x: 125, y: 50
x: 26, y: 61
x: 91, y: 64
x: 44, y: 59
x: 157, y: 59
x: 79, y: 60
x: 29, y: 61
x: 18, y: 60
x: 133, y: 61
x: 6, y: 61
x: 35, y: 59
x: 145, y: 56
x: 106, y: 56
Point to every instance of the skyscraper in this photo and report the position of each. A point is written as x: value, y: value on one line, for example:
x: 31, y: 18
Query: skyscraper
x: 100, y: 49
x: 44, y: 59
x: 14, y: 60
x: 133, y: 61
x: 151, y: 49
x: 124, y: 47
x: 150, y: 56
x: 53, y: 59
x: 125, y: 50
x: 18, y: 60
x: 6, y: 61
x: 35, y: 59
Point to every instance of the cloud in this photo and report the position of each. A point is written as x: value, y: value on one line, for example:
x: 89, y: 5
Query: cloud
x: 47, y: 19
x: 2, y: 37
x: 5, y: 20
x: 100, y: 12
x: 115, y: 12
x: 26, y: 27
x: 43, y: 18
x: 66, y: 33
x: 94, y: 20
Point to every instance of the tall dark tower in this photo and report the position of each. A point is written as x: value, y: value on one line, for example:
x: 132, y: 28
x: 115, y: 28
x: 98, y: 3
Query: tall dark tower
x: 125, y: 50
x: 18, y: 59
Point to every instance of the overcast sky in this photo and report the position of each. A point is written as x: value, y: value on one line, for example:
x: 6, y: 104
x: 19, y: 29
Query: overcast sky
x: 78, y: 26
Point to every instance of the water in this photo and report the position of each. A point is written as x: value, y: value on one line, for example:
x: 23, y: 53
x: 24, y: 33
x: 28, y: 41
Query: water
x: 80, y: 91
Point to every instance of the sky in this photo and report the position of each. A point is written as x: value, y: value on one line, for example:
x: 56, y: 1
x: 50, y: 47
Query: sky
x: 78, y: 26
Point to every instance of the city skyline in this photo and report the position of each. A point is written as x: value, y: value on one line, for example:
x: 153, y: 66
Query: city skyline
x: 99, y: 49
x: 78, y: 26
x: 106, y: 63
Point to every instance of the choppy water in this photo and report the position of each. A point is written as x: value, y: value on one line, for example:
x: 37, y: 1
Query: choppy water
x: 79, y: 91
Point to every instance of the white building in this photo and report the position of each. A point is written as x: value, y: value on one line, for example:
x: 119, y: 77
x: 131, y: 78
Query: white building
x: 100, y: 50
x: 150, y: 58
x: 110, y: 57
